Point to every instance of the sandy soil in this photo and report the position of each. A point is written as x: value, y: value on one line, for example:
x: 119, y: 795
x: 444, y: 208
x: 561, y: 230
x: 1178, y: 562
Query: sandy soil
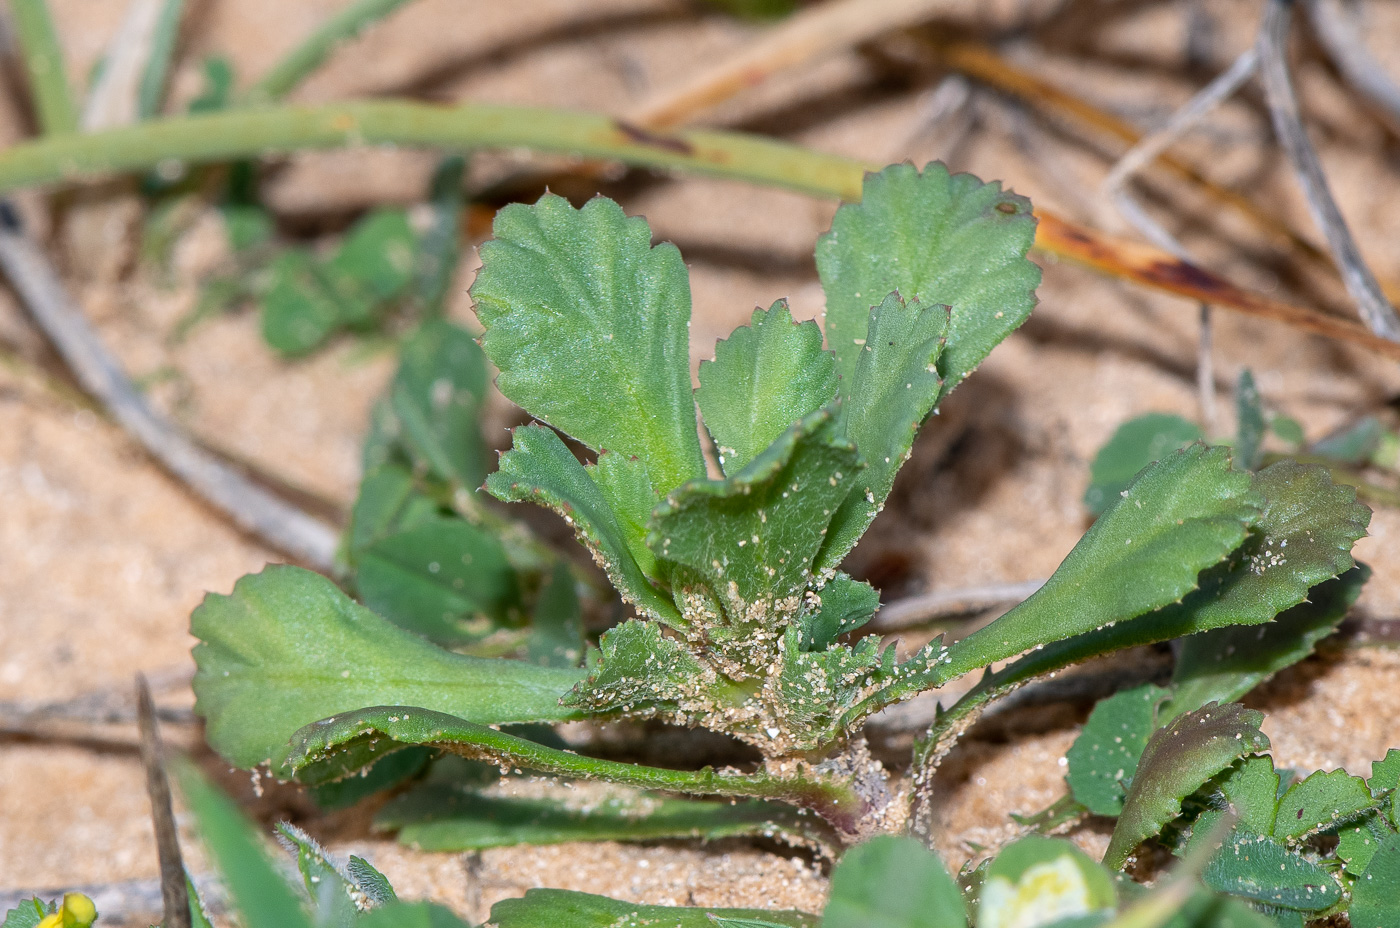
x: 102, y: 556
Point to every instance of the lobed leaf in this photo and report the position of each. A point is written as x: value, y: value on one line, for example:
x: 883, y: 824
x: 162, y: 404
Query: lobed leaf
x: 539, y: 467
x: 560, y: 908
x: 580, y: 297
x: 1358, y: 843
x: 1177, y: 760
x: 936, y: 238
x: 639, y: 672
x: 1182, y: 515
x: 1263, y: 870
x: 764, y: 377
x: 444, y: 817
x: 816, y: 688
x: 752, y: 537
x: 1320, y: 800
x: 843, y: 606
x: 1134, y: 445
x: 287, y: 648
x: 890, y: 390
x: 1104, y: 757
x: 337, y: 746
x: 893, y: 882
x: 626, y: 487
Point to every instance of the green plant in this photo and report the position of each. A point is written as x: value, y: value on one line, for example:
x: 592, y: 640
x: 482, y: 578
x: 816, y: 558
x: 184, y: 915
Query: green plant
x: 886, y: 882
x: 746, y: 625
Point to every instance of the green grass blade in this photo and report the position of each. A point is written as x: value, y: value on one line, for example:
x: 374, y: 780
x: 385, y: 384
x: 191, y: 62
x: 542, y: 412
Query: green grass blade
x: 303, y: 60
x: 155, y: 76
x: 43, y: 63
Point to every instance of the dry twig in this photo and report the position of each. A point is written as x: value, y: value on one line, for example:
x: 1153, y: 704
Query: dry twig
x: 175, y: 895
x: 1271, y: 44
x: 1340, y: 35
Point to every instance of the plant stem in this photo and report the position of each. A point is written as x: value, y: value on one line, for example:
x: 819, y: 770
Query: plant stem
x: 246, y: 133
x: 315, y: 49
x: 43, y: 63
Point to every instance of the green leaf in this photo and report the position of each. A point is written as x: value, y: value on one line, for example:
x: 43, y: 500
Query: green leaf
x: 375, y: 261
x: 640, y: 672
x: 436, y: 577
x: 560, y: 908
x: 1104, y: 757
x: 446, y: 817
x: 288, y: 648
x: 388, y: 772
x: 1224, y: 664
x: 1358, y: 843
x: 1040, y: 880
x: 411, y: 915
x: 1385, y: 773
x: 540, y: 467
x: 28, y: 913
x: 893, y: 882
x: 1251, y: 787
x: 1374, y: 901
x: 556, y: 630
x: 1263, y: 870
x: 330, y: 889
x: 388, y: 503
x: 440, y: 247
x: 339, y: 745
x: 752, y: 537
x: 938, y: 239
x: 845, y: 605
x: 1249, y: 413
x: 436, y: 399
x: 298, y: 312
x: 1320, y: 800
x: 579, y: 297
x: 217, y: 73
x: 626, y: 486
x: 816, y: 688
x: 1353, y: 444
x: 263, y: 899
x: 370, y: 881
x: 890, y: 391
x: 765, y: 376
x: 1288, y: 430
x: 152, y: 88
x: 1176, y: 761
x: 1182, y: 515
x: 1136, y: 444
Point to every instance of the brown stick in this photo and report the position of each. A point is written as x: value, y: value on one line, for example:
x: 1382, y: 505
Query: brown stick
x: 175, y: 895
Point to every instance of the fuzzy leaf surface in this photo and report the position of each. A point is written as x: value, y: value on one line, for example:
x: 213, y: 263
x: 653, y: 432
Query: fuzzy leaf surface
x: 1320, y: 800
x: 936, y: 238
x: 815, y: 688
x: 1266, y: 871
x: 1177, y: 760
x: 891, y: 389
x: 752, y: 537
x: 287, y: 647
x: 560, y: 908
x: 1249, y: 414
x: 1183, y: 514
x: 1136, y: 444
x: 640, y: 672
x: 1358, y: 843
x: 435, y: 577
x: 893, y: 882
x: 1251, y: 788
x: 589, y: 326
x: 764, y: 377
x: 1374, y: 901
x: 1104, y: 757
x: 539, y: 467
x: 443, y: 817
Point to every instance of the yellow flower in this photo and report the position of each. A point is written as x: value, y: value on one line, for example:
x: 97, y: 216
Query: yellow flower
x: 77, y: 911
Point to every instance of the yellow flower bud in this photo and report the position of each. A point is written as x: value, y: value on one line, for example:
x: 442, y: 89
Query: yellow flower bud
x: 51, y: 921
x: 77, y: 911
